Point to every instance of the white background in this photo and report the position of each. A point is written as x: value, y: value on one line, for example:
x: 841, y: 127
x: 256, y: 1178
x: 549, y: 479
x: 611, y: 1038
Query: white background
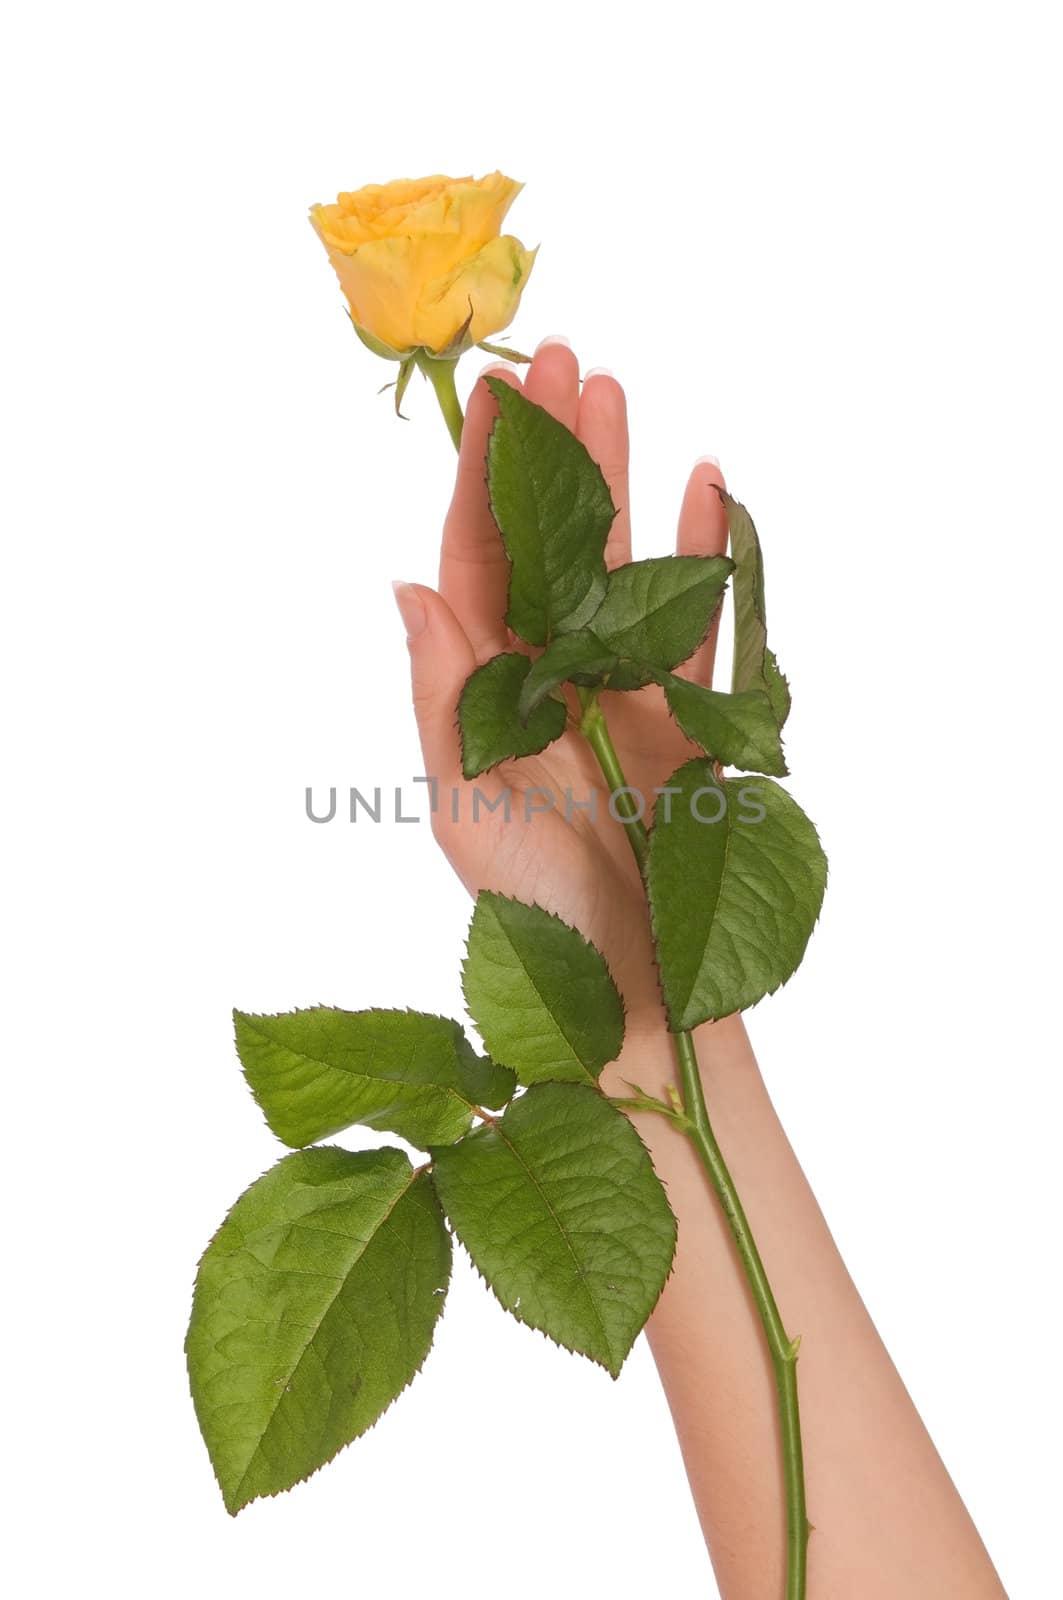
x: 817, y: 241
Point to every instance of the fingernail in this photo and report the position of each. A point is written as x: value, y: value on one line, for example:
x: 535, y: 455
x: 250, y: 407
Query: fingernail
x: 411, y: 608
x: 497, y: 366
x: 553, y: 338
x: 599, y: 372
x: 707, y: 461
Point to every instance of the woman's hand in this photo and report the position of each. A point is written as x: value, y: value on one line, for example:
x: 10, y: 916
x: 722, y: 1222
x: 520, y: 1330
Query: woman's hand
x: 552, y: 850
x: 888, y: 1519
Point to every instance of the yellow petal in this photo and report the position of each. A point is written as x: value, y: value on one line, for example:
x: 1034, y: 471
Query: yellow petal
x: 491, y: 283
x: 380, y: 208
x: 381, y: 284
x: 470, y: 210
x: 336, y: 229
x: 408, y: 253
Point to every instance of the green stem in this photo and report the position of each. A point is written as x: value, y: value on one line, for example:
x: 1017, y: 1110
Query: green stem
x: 594, y: 730
x: 441, y: 375
x: 698, y: 1128
x: 781, y: 1348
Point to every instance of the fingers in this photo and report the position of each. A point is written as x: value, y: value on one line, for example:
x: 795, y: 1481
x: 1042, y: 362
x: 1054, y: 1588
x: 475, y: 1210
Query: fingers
x: 702, y: 532
x: 602, y: 427
x: 441, y: 658
x: 598, y: 416
x: 473, y: 569
x: 553, y: 381
x: 702, y: 519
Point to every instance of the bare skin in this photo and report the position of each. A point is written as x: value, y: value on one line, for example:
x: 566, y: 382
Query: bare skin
x: 888, y: 1520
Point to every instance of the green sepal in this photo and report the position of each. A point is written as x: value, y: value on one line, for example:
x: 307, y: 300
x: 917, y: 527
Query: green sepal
x: 317, y: 1071
x: 503, y: 351
x: 735, y: 879
x: 377, y: 346
x: 489, y: 718
x: 562, y: 1213
x: 458, y: 343
x: 554, y: 511
x: 539, y: 993
x: 401, y: 383
x: 315, y: 1305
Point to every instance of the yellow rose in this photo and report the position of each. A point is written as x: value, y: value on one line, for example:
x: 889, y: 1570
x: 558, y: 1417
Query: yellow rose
x: 418, y: 258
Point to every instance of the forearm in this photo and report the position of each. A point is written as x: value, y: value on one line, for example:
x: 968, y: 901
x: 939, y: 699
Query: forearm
x: 887, y: 1517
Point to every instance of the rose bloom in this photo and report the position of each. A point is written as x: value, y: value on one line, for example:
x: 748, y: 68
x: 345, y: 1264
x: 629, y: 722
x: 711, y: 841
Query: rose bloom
x: 420, y: 258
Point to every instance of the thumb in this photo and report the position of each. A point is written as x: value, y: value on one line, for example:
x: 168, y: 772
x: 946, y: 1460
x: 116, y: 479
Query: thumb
x: 441, y: 658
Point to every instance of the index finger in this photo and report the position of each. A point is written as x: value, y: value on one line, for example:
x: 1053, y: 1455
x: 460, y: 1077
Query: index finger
x: 602, y: 427
x: 473, y: 567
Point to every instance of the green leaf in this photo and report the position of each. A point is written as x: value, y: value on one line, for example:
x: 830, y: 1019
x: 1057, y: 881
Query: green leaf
x: 755, y: 666
x: 492, y: 729
x: 317, y: 1071
x: 740, y: 730
x: 315, y: 1305
x: 656, y: 613
x: 554, y: 512
x: 778, y: 688
x: 734, y: 896
x: 540, y: 995
x: 573, y: 657
x: 559, y: 1207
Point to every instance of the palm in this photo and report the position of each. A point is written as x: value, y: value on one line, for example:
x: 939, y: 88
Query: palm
x: 550, y: 849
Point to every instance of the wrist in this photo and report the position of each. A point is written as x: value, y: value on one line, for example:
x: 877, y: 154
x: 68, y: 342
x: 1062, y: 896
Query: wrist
x: 648, y: 1058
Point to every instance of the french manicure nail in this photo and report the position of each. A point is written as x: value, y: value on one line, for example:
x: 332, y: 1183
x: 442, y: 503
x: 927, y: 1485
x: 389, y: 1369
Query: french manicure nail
x: 411, y: 608
x: 707, y: 461
x: 553, y: 338
x: 599, y: 372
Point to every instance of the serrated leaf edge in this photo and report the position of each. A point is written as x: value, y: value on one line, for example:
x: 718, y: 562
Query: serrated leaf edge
x: 760, y: 608
x: 504, y: 393
x: 760, y: 772
x: 470, y: 772
x: 271, y: 1494
x: 637, y: 661
x: 534, y: 1327
x: 403, y: 1011
x: 591, y: 1078
x: 685, y: 1024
